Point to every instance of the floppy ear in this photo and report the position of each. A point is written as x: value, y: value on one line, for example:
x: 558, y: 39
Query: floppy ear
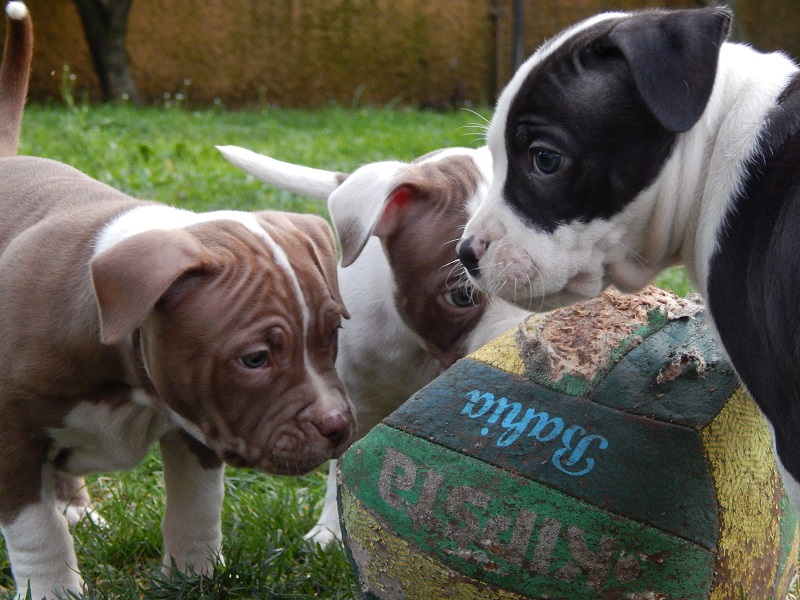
x: 369, y: 202
x: 321, y: 245
x: 673, y: 57
x: 131, y: 276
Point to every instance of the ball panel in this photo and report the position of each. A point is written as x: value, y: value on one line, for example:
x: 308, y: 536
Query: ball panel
x: 572, y: 444
x: 516, y: 534
x: 679, y: 376
x: 388, y: 566
x: 789, y: 548
x: 571, y: 349
x: 750, y: 497
x: 496, y: 354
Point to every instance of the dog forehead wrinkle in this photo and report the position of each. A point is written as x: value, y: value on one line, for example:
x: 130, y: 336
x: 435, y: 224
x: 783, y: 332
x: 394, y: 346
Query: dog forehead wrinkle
x: 147, y: 218
x: 475, y: 163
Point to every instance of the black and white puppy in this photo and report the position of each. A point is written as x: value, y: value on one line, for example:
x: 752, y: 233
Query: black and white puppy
x: 636, y: 141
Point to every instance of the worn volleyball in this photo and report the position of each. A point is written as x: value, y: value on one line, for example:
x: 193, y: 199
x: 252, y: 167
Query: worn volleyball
x: 604, y: 450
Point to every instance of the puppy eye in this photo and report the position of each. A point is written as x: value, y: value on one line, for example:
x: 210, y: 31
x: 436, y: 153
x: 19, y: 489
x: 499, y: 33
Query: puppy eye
x: 460, y: 297
x: 544, y: 160
x: 255, y: 360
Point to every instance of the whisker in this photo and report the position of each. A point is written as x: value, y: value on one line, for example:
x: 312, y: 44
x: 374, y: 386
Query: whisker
x: 635, y: 254
x: 477, y: 114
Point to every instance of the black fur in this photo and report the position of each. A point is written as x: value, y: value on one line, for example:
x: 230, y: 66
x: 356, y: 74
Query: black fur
x: 754, y: 277
x: 590, y: 102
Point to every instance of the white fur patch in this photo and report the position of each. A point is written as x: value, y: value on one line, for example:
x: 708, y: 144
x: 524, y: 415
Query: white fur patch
x: 356, y: 206
x: 316, y: 183
x: 102, y: 437
x: 192, y: 524
x: 40, y: 547
x: 16, y: 10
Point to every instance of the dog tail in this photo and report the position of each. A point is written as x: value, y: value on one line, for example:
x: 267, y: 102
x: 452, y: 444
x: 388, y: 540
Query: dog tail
x: 14, y: 75
x: 315, y: 183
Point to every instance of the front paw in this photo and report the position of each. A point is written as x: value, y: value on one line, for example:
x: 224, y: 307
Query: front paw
x: 324, y: 534
x: 193, y: 562
x: 83, y: 514
x: 73, y: 501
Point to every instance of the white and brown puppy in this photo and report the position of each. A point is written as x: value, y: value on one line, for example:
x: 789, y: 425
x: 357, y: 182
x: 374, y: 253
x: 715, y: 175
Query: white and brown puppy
x: 413, y: 313
x: 124, y: 323
x: 636, y: 141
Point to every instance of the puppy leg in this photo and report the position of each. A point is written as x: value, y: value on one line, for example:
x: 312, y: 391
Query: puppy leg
x: 192, y: 525
x: 40, y: 547
x: 327, y: 529
x: 73, y: 501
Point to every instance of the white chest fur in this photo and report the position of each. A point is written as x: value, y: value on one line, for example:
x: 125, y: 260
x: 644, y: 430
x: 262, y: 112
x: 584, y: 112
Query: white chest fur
x: 105, y: 437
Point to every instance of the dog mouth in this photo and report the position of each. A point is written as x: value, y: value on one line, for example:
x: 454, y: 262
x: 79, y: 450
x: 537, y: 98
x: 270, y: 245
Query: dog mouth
x: 292, y: 449
x: 530, y: 290
x: 274, y: 465
x: 278, y: 464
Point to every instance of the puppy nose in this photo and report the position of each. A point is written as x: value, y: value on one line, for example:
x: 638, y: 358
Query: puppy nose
x: 336, y: 426
x: 470, y: 251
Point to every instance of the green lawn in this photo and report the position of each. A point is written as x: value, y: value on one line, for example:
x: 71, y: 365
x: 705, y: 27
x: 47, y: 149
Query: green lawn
x: 169, y: 155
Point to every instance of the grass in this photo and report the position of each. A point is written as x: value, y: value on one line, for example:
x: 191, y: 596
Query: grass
x: 169, y: 155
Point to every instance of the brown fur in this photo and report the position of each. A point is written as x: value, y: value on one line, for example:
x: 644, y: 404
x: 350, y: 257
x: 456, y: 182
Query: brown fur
x: 421, y: 248
x: 166, y: 312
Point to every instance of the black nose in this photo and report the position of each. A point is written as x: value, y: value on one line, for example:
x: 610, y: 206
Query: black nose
x: 469, y: 256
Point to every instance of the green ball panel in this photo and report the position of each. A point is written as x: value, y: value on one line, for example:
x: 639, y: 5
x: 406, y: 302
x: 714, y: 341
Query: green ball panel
x: 504, y: 530
x: 679, y: 376
x: 622, y: 462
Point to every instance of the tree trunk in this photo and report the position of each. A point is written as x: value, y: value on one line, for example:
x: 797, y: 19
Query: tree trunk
x: 105, y: 23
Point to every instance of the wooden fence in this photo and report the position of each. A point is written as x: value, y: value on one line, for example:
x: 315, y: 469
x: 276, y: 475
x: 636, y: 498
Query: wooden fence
x: 310, y: 52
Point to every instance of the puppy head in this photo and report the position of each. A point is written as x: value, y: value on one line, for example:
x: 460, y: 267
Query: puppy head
x: 418, y: 211
x: 583, y: 128
x: 237, y: 329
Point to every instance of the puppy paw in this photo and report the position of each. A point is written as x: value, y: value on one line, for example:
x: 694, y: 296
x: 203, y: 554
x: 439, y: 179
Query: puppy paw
x: 85, y: 515
x: 324, y: 535
x: 73, y: 501
x: 192, y: 563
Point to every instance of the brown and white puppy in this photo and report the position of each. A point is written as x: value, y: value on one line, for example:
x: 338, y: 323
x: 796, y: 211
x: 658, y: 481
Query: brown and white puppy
x: 124, y: 323
x: 635, y: 141
x: 413, y: 313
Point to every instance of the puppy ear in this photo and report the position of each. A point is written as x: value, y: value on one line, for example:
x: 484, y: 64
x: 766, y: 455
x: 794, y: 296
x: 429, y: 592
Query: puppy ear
x: 319, y: 241
x: 673, y: 57
x: 131, y: 276
x: 368, y: 203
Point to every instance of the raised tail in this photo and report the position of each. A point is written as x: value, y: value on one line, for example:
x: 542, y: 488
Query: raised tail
x: 307, y: 181
x: 14, y: 75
